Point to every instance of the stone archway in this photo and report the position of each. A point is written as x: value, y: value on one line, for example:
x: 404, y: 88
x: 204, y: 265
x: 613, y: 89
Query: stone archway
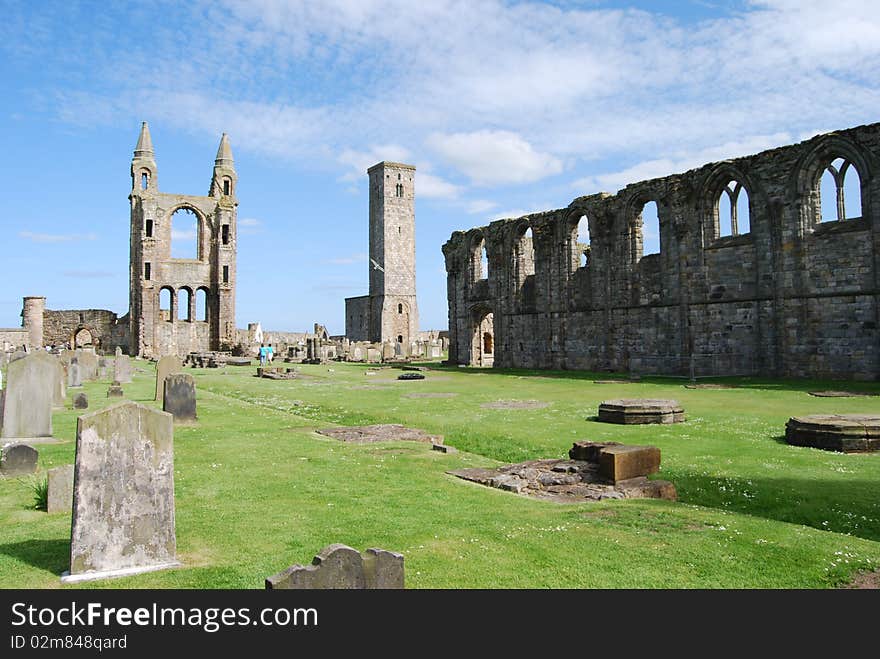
x: 483, y: 338
x: 84, y: 337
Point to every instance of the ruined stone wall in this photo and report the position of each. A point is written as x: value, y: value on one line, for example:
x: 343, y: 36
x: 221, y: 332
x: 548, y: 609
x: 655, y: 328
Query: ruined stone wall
x: 107, y: 330
x: 786, y: 295
x: 13, y: 338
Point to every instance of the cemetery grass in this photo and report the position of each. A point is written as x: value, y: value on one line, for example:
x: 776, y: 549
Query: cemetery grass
x: 258, y: 490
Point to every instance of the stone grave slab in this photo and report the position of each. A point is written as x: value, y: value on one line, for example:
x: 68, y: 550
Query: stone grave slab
x: 341, y: 567
x: 640, y: 410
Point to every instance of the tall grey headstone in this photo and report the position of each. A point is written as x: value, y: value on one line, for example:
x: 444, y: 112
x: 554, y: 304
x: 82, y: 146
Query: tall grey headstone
x: 180, y: 396
x: 27, y: 398
x: 123, y: 501
x: 60, y: 495
x: 18, y: 460
x: 74, y: 373
x: 166, y: 366
x: 122, y: 369
x: 60, y: 389
x: 88, y: 363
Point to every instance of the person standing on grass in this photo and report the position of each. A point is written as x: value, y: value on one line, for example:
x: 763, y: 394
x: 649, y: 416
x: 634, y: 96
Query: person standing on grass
x: 262, y: 355
x: 270, y: 353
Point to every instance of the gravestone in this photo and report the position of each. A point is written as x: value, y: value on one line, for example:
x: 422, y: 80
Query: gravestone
x: 88, y: 363
x: 18, y: 460
x: 115, y: 391
x: 122, y: 368
x: 27, y: 399
x: 164, y: 367
x: 74, y: 373
x: 123, y: 493
x: 60, y: 389
x: 60, y: 496
x: 387, y: 351
x: 81, y: 402
x: 341, y: 567
x: 180, y: 397
x: 374, y: 355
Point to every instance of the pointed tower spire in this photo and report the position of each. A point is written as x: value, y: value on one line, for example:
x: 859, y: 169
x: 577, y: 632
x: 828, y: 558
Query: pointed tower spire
x: 144, y: 148
x: 224, y: 179
x: 224, y: 153
x: 143, y: 163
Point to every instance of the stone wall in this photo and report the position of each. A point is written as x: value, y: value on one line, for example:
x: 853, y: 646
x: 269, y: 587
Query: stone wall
x: 106, y: 329
x: 788, y: 295
x: 12, y: 339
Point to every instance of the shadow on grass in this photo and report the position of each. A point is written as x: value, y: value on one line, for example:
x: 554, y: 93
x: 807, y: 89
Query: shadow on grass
x: 771, y: 384
x: 50, y: 555
x: 847, y: 507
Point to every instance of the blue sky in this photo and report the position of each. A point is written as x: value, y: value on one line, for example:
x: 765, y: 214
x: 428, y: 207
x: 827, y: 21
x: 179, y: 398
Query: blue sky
x: 504, y: 107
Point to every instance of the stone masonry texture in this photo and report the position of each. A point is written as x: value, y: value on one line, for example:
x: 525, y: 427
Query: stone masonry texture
x: 789, y: 295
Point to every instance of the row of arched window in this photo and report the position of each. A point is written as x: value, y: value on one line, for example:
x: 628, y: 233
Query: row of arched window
x: 839, y: 199
x: 183, y: 305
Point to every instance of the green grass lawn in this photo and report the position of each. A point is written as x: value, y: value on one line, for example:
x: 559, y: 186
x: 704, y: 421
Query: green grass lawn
x: 257, y: 490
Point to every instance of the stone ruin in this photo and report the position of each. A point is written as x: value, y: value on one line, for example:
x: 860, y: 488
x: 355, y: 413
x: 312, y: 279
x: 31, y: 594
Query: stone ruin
x: 846, y: 433
x: 341, y: 567
x: 123, y: 501
x: 640, y: 410
x: 753, y: 275
x: 595, y: 471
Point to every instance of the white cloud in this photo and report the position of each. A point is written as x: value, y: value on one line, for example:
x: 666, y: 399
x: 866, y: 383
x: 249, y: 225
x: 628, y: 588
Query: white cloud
x: 428, y: 185
x: 490, y: 157
x: 55, y: 237
x: 348, y: 260
x: 361, y: 161
x: 249, y: 222
x: 478, y: 206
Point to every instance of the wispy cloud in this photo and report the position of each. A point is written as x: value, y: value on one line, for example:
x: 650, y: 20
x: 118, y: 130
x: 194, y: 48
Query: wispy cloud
x: 250, y: 226
x: 478, y: 206
x: 56, y: 237
x: 348, y: 260
x: 90, y: 274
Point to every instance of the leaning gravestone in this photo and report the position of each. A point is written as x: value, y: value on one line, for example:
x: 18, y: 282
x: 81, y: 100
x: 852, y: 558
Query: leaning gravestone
x: 123, y: 493
x: 81, y: 402
x: 341, y: 567
x: 122, y: 368
x: 180, y: 396
x: 74, y: 373
x: 115, y: 391
x: 60, y: 493
x: 166, y: 366
x: 18, y: 460
x: 27, y: 399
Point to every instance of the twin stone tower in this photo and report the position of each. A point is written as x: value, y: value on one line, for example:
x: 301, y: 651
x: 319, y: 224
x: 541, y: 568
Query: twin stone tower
x: 181, y: 305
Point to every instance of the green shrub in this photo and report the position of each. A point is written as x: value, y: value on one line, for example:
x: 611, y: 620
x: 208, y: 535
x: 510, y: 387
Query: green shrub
x: 40, y: 488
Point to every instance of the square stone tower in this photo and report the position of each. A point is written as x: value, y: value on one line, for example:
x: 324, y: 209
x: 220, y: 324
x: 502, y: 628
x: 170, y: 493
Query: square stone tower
x: 180, y: 305
x: 390, y: 311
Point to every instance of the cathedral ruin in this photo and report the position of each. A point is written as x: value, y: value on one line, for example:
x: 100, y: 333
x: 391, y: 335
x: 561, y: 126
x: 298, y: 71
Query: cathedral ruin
x: 753, y: 276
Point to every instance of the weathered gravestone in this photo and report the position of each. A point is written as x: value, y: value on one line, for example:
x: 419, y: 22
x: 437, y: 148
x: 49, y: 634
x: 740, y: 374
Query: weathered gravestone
x: 60, y: 493
x: 180, y: 396
x: 115, y: 391
x: 81, y: 402
x: 387, y: 351
x: 60, y: 389
x: 122, y: 368
x: 341, y: 567
x: 123, y: 493
x: 88, y: 363
x: 74, y: 373
x: 18, y: 460
x: 26, y: 409
x: 164, y: 367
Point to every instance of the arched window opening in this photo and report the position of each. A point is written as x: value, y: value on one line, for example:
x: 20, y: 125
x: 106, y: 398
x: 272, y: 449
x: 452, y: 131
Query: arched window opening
x: 145, y: 180
x: 650, y: 229
x: 148, y: 229
x: 400, y: 338
x: 224, y: 234
x: 840, y: 192
x: 525, y: 254
x: 202, y: 305
x: 487, y: 343
x: 227, y: 186
x: 184, y: 299
x: 165, y: 298
x: 733, y: 210
x: 83, y: 337
x: 484, y: 262
x: 580, y: 249
x: 184, y: 234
